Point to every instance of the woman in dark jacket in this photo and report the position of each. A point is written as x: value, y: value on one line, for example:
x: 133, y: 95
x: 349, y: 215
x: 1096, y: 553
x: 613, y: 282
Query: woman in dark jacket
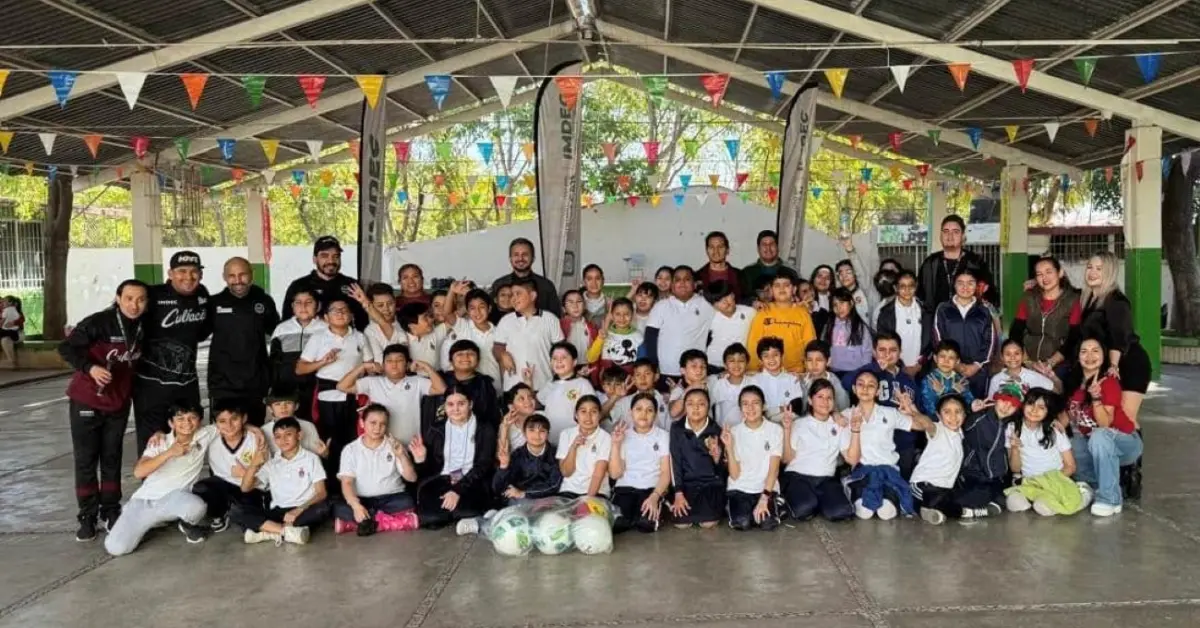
x: 1047, y: 322
x: 966, y: 319
x: 1108, y: 317
x: 455, y: 457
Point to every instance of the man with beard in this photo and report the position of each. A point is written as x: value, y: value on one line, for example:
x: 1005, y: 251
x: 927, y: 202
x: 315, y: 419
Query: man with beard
x: 521, y: 257
x: 175, y: 323
x: 244, y: 316
x: 936, y: 277
x: 326, y: 280
x: 764, y: 270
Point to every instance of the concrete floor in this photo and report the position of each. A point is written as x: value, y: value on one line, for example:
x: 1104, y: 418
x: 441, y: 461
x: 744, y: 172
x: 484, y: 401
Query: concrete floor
x: 1139, y: 569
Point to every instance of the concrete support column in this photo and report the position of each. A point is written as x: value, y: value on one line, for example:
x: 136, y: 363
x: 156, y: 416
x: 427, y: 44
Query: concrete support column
x: 939, y: 207
x: 1142, y: 197
x: 1014, y: 237
x: 258, y: 237
x: 147, y: 227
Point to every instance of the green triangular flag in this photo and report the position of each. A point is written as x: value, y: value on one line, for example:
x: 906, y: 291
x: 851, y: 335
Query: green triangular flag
x: 655, y: 86
x: 745, y: 196
x: 775, y: 177
x: 956, y: 170
x: 1086, y: 66
x: 474, y: 199
x: 610, y: 198
x: 182, y: 144
x: 204, y: 172
x: 254, y: 85
x: 887, y: 186
x: 443, y: 149
x: 392, y: 178
x: 935, y: 135
x: 690, y: 149
x: 324, y: 191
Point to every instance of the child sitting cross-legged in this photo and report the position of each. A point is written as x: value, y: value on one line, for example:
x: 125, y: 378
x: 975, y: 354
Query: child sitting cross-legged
x: 641, y: 465
x: 296, y: 480
x: 945, y: 380
x: 455, y: 457
x: 811, y: 446
x: 223, y: 489
x: 1040, y: 456
x: 754, y: 448
x: 373, y: 471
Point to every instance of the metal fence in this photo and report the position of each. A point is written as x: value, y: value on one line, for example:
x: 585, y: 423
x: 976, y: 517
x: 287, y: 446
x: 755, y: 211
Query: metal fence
x: 20, y: 255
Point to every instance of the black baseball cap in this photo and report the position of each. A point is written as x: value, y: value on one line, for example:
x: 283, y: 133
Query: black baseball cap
x: 324, y: 243
x: 186, y: 258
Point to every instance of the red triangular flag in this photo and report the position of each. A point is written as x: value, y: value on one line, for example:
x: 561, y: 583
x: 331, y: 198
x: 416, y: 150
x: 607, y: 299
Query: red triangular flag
x: 960, y: 71
x: 194, y: 84
x: 1108, y: 174
x: 923, y: 169
x: 741, y: 179
x: 894, y: 137
x: 1091, y: 124
x: 907, y: 183
x: 623, y: 182
x: 651, y: 149
x: 238, y: 174
x: 140, y: 144
x: 610, y: 151
x: 569, y: 87
x: 93, y: 143
x: 632, y: 200
x: 772, y: 193
x: 724, y: 196
x: 1129, y: 143
x: 349, y: 192
x: 311, y: 85
x: 854, y: 140
x: 715, y: 85
x: 862, y: 188
x: 501, y: 200
x: 401, y: 149
x: 439, y: 180
x: 1023, y: 68
x: 1138, y: 168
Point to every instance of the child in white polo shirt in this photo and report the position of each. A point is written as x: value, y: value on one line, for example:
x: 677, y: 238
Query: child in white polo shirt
x: 816, y: 366
x: 619, y: 404
x: 523, y: 338
x: 693, y: 365
x: 936, y: 473
x: 397, y: 389
x: 380, y: 304
x: 780, y: 388
x: 423, y: 335
x: 168, y: 469
x: 730, y: 324
x: 374, y: 470
x: 678, y: 323
x: 641, y: 466
x: 282, y: 404
x: 583, y: 452
x: 228, y: 458
x: 755, y: 447
x: 560, y: 396
x: 476, y: 326
x: 644, y: 295
x: 811, y: 446
x: 296, y: 480
x: 724, y: 388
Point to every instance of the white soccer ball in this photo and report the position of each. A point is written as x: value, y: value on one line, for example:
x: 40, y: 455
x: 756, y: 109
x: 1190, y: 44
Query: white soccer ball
x: 552, y: 533
x: 511, y: 534
x: 592, y: 535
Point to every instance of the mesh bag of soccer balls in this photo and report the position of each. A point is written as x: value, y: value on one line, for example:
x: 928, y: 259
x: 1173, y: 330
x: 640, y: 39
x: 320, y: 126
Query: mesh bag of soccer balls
x: 552, y: 525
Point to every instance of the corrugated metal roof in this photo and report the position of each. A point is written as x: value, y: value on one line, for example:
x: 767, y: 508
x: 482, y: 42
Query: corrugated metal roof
x: 172, y: 20
x: 772, y: 27
x: 517, y: 17
x: 931, y: 18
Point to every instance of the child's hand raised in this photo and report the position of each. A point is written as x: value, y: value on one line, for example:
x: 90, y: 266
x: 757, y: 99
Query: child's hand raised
x: 527, y: 375
x: 618, y: 434
x: 960, y: 386
x: 727, y: 438
x: 980, y: 404
x: 503, y: 456
x: 787, y: 417
x: 936, y: 384
x: 417, y: 448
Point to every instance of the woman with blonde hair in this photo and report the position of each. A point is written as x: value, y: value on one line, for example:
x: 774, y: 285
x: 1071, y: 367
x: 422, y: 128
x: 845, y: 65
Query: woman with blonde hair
x: 1108, y: 317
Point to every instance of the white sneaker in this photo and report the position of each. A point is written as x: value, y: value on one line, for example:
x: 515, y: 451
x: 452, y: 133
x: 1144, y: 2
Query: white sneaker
x: 992, y: 510
x: 1017, y: 502
x: 292, y: 534
x: 1086, y: 491
x: 1041, y: 508
x: 1100, y: 509
x: 861, y: 511
x: 467, y: 527
x: 887, y: 511
x: 252, y: 536
x: 933, y: 515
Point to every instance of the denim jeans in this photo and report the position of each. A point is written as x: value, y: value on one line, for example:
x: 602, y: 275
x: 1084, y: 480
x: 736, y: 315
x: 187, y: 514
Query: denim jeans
x: 1099, y: 458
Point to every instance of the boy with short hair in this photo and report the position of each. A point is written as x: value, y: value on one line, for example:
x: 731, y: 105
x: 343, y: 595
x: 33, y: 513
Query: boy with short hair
x: 373, y: 472
x: 816, y: 366
x: 530, y: 471
x: 524, y: 337
x: 724, y: 389
x: 644, y: 295
x: 223, y: 489
x: 464, y: 375
x: 944, y: 379
x: 617, y: 406
x: 678, y: 323
x: 396, y: 390
x: 282, y: 405
x: 475, y: 326
x: 383, y: 330
x: 296, y: 479
x: 693, y: 366
x: 780, y: 387
x: 731, y: 322
x: 423, y: 334
x: 786, y: 319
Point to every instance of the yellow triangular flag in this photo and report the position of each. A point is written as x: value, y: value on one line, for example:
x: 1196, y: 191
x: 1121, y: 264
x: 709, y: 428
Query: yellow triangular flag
x: 1011, y: 130
x: 837, y: 79
x: 894, y: 170
x: 713, y: 179
x: 527, y: 150
x: 270, y: 148
x: 775, y: 141
x: 530, y: 180
x: 326, y: 178
x: 3, y: 78
x: 655, y: 199
x: 523, y: 202
x: 371, y: 85
x: 5, y: 140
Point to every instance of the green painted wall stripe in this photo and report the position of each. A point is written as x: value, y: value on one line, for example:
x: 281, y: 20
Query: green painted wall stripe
x: 1014, y: 270
x: 262, y: 276
x: 151, y: 274
x: 1143, y: 286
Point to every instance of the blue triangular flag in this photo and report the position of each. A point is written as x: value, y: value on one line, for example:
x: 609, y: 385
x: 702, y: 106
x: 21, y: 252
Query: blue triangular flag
x: 685, y: 180
x: 298, y: 177
x: 976, y: 134
x: 402, y: 196
x: 226, y: 145
x: 501, y: 182
x: 775, y: 82
x: 485, y: 151
x: 1148, y: 63
x: 816, y: 192
x: 52, y: 172
x: 63, y: 81
x: 1065, y: 182
x: 866, y: 174
x: 679, y: 199
x: 1166, y: 166
x: 439, y: 87
x: 732, y: 146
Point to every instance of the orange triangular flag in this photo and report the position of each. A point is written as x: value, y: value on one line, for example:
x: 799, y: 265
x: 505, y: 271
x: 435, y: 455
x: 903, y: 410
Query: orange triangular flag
x: 93, y: 144
x: 530, y: 180
x: 960, y: 71
x: 527, y: 150
x: 569, y: 87
x: 371, y: 85
x: 837, y: 79
x: 194, y: 84
x: 1092, y: 125
x: 855, y: 140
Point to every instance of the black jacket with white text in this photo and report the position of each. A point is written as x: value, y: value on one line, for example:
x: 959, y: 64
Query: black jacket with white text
x: 174, y: 326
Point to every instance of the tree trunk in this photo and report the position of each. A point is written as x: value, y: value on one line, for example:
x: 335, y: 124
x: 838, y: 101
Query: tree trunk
x: 220, y: 217
x: 56, y: 243
x: 1178, y: 214
x: 302, y: 212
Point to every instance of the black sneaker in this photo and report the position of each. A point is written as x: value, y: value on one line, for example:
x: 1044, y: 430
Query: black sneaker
x: 87, y: 530
x: 219, y: 524
x: 108, y: 520
x: 367, y: 527
x: 193, y: 534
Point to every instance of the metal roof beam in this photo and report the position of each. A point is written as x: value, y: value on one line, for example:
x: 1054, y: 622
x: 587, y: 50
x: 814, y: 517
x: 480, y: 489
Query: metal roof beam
x: 487, y: 15
x: 404, y: 32
x: 890, y: 118
x: 194, y: 48
x: 997, y: 69
x: 737, y: 52
x: 824, y: 54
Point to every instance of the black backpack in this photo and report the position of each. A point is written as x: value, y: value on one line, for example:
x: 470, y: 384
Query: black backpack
x: 985, y: 457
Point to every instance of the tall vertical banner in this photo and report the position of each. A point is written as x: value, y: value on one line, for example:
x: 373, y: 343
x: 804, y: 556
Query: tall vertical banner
x: 372, y: 194
x: 557, y: 146
x: 794, y: 172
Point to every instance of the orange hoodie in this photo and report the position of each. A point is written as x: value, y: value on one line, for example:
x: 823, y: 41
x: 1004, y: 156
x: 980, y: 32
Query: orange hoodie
x: 791, y: 324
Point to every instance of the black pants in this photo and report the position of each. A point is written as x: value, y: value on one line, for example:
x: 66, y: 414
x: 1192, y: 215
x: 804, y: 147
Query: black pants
x: 152, y: 403
x: 251, y: 402
x: 252, y: 520
x: 937, y: 498
x: 629, y: 501
x: 965, y: 494
x: 390, y: 504
x: 807, y: 496
x: 471, y: 503
x: 97, y: 438
x: 337, y: 423
x: 741, y: 511
x: 221, y: 497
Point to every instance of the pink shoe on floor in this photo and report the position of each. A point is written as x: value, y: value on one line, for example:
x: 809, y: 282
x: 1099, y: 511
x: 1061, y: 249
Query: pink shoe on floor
x: 344, y: 527
x: 397, y: 522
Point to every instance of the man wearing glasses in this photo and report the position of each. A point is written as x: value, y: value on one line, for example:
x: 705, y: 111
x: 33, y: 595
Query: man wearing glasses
x: 936, y: 276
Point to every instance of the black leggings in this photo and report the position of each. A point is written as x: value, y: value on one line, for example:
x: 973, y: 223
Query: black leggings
x: 741, y: 511
x: 97, y: 438
x: 472, y: 502
x: 806, y: 496
x: 251, y: 519
x: 629, y: 501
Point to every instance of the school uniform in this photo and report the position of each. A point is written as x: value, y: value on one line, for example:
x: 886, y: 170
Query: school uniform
x: 539, y: 475
x: 164, y: 495
x: 222, y: 490
x: 643, y: 455
x: 558, y: 398
x: 780, y: 389
x: 528, y: 340
x: 724, y: 394
x: 378, y: 341
x: 908, y: 444
x: 877, y: 475
x: 727, y: 330
x: 809, y: 483
x: 377, y: 480
x: 459, y: 458
x: 936, y: 475
x: 754, y: 447
x: 287, y: 345
x: 402, y: 398
x: 310, y: 439
x: 465, y: 329
x: 595, y: 449
x: 676, y: 326
x: 292, y: 483
x: 622, y: 411
x: 696, y: 474
x: 841, y: 399
x: 334, y: 410
x: 1042, y: 478
x: 428, y: 348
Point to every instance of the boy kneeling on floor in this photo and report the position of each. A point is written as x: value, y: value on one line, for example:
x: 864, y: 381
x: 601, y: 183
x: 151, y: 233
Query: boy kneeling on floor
x: 373, y: 471
x: 296, y: 479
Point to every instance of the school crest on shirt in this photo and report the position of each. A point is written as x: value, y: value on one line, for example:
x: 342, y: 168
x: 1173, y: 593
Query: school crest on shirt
x: 246, y: 457
x: 390, y: 458
x: 301, y: 474
x: 572, y: 395
x: 655, y: 446
x: 259, y: 309
x: 407, y: 386
x: 696, y: 311
x: 766, y: 446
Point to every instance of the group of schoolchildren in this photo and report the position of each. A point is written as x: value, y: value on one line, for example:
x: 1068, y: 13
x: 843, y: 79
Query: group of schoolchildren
x: 688, y: 408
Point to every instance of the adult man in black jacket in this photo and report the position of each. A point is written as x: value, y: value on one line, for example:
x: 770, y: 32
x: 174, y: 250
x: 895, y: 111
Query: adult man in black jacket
x: 327, y: 280
x: 521, y: 257
x: 244, y: 316
x: 935, y: 283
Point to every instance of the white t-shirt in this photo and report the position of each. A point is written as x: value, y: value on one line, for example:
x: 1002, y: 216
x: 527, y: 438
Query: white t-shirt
x: 641, y: 321
x: 724, y: 397
x: 817, y: 445
x: 559, y: 398
x: 941, y: 459
x: 353, y: 351
x: 681, y: 326
x: 402, y: 400
x: 622, y: 411
x: 779, y: 389
x: 221, y: 459
x: 621, y: 348
x: 727, y: 330
x: 180, y: 472
x: 310, y: 439
x: 465, y: 329
x: 754, y: 448
x: 458, y: 452
x: 428, y: 348
x: 375, y: 471
x: 378, y: 342
x: 643, y: 455
x: 9, y: 318
x: 528, y: 340
x: 908, y: 327
x: 876, y: 444
x: 1028, y: 378
x: 293, y: 482
x: 597, y: 448
x: 1035, y: 459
